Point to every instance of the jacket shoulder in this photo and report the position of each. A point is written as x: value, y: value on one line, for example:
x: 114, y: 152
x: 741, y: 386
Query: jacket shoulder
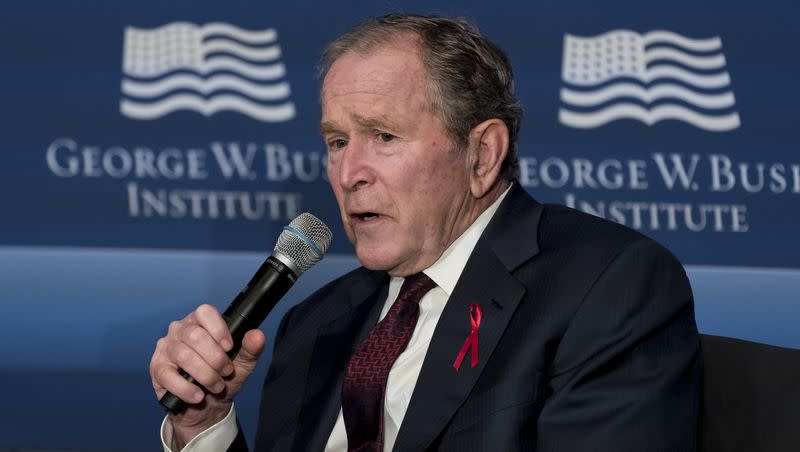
x: 566, y: 229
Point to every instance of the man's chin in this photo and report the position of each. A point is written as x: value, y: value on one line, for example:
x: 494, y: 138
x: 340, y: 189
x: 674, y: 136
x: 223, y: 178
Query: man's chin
x: 373, y: 262
x: 376, y: 259
x: 391, y: 264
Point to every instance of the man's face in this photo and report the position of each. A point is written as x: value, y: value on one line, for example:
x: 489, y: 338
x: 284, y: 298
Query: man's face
x: 402, y: 187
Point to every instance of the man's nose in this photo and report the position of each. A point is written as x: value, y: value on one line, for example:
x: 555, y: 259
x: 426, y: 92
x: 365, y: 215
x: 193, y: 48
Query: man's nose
x: 355, y: 167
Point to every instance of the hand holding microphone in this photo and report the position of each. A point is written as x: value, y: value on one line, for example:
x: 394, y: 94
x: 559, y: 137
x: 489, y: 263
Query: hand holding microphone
x: 202, y: 348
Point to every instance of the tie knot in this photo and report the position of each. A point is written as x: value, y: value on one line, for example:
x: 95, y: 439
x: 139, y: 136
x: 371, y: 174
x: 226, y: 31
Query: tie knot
x: 415, y: 287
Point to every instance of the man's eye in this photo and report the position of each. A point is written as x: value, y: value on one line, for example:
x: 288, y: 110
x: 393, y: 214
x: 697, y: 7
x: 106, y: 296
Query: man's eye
x: 337, y: 144
x: 386, y: 137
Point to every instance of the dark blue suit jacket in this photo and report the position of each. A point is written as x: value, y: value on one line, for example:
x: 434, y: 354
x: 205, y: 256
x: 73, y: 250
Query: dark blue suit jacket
x: 587, y: 343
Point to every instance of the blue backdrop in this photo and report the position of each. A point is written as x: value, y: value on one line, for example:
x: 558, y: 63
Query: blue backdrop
x: 151, y: 152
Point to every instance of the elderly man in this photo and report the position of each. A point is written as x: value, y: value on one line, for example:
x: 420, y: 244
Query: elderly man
x: 481, y: 319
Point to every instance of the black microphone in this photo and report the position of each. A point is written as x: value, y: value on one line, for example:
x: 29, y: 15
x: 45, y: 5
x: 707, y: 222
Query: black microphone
x: 301, y: 245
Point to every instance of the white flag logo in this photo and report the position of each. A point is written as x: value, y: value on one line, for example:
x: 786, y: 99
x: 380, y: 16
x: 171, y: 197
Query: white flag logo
x: 206, y: 69
x: 648, y: 77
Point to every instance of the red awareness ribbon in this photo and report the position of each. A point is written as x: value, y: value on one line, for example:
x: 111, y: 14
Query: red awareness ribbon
x: 472, y: 340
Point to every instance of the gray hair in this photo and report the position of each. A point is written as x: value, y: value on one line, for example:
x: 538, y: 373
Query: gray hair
x: 472, y: 80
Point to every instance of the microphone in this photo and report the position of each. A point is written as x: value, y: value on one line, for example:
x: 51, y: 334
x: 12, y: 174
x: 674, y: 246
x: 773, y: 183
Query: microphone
x: 301, y: 245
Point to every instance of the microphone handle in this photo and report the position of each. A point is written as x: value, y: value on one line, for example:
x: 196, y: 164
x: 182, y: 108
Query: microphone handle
x: 246, y: 312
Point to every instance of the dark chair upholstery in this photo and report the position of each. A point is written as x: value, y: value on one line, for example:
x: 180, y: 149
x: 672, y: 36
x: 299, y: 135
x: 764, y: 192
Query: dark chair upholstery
x: 751, y: 397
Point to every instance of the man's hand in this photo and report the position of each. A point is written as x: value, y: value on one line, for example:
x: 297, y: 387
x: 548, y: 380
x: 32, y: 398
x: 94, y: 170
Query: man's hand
x: 198, y: 344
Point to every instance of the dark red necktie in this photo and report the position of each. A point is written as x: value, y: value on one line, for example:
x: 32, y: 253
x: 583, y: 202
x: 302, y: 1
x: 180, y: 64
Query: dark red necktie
x: 364, y: 385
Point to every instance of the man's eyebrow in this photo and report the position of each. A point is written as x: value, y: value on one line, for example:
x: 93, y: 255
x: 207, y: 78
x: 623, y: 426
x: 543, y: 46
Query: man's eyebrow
x: 327, y: 127
x: 379, y: 122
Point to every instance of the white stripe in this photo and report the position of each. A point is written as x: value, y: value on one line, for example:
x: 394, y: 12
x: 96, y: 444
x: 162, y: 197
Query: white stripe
x: 660, y: 113
x: 268, y: 72
x: 705, y: 81
x: 269, y: 53
x: 207, y: 107
x: 205, y: 86
x: 665, y: 53
x: 710, y: 81
x: 696, y: 45
x: 249, y: 36
x: 647, y: 95
x: 162, y: 51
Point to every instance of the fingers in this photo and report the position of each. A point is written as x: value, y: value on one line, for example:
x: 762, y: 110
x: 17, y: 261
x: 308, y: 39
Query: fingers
x: 205, y: 332
x: 197, y: 344
x: 195, y: 364
x: 210, y: 319
x: 168, y: 379
x: 205, y: 347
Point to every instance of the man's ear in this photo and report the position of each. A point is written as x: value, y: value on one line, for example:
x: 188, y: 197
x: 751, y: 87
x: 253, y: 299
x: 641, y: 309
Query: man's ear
x: 488, y: 149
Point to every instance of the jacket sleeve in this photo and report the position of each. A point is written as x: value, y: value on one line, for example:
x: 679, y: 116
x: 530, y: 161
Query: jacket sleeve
x: 626, y: 373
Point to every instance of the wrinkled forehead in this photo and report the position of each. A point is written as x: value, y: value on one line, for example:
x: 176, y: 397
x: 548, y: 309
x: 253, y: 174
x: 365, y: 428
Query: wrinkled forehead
x: 390, y: 73
x: 387, y: 61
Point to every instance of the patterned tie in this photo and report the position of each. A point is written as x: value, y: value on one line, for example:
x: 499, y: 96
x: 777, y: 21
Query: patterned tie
x: 364, y: 385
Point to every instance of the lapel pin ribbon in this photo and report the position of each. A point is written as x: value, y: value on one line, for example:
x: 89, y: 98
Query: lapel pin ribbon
x: 475, y: 315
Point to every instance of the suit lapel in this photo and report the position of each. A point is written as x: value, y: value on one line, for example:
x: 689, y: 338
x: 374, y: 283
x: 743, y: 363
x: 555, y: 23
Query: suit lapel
x: 332, y: 348
x: 508, y: 241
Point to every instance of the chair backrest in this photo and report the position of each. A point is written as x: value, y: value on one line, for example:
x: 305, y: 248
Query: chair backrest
x: 751, y: 397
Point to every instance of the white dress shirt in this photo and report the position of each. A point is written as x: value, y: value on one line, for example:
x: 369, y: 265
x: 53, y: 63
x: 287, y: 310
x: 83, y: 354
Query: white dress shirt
x: 445, y: 272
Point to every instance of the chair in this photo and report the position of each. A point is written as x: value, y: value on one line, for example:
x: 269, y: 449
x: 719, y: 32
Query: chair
x: 751, y: 397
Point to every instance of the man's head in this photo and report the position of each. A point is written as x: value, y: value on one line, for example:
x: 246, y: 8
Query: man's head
x: 469, y: 78
x: 420, y: 122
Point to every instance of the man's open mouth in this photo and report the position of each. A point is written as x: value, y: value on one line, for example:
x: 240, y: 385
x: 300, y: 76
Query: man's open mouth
x: 367, y: 216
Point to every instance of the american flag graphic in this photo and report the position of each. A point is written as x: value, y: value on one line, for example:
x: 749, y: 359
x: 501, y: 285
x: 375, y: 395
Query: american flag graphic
x: 206, y: 69
x: 647, y: 77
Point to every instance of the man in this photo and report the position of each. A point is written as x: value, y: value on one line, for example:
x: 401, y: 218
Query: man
x: 539, y: 328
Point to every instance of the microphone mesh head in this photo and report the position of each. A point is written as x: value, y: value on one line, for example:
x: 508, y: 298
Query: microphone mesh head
x: 304, y: 241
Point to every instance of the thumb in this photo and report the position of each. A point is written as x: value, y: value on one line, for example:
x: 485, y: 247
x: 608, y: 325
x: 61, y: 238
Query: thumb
x: 252, y: 347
